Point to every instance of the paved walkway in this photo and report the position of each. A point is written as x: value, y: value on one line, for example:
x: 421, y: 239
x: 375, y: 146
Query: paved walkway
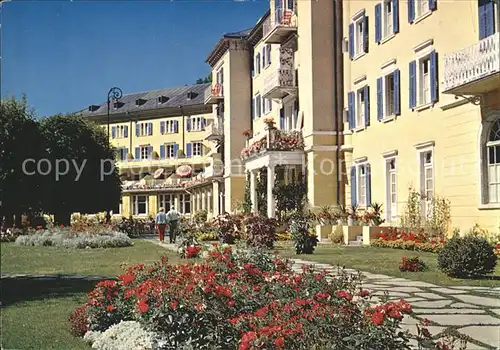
x: 473, y: 311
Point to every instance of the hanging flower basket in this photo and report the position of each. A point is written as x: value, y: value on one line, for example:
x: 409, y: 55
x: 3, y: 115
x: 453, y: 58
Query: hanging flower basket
x: 184, y: 171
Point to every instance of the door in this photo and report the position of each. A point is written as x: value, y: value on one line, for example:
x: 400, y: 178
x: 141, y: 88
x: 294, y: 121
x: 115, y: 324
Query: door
x: 391, y: 190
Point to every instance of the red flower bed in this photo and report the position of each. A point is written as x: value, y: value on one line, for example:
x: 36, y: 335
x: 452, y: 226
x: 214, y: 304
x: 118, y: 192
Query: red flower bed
x: 419, y: 241
x: 247, y: 301
x: 411, y: 264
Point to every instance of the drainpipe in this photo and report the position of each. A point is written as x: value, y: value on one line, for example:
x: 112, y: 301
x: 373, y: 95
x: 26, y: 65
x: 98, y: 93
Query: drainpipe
x: 183, y: 134
x: 338, y: 87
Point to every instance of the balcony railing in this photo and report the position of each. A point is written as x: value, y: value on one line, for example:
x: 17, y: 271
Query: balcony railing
x: 279, y: 83
x: 214, y: 130
x: 276, y: 28
x: 214, y: 93
x: 464, y: 69
x: 275, y: 140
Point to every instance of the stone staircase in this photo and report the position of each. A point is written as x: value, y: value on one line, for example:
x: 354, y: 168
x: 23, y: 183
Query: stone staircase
x: 357, y: 242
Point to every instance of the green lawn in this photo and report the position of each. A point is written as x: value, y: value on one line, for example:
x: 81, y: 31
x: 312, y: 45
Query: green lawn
x: 34, y: 313
x: 385, y: 261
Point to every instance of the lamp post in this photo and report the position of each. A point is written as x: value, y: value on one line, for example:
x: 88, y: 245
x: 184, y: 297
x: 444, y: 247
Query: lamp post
x: 114, y: 94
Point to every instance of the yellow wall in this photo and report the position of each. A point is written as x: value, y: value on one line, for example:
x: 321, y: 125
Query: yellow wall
x: 453, y: 129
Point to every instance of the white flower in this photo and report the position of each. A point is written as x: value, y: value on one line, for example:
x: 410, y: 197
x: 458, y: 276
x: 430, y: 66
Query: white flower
x: 126, y: 335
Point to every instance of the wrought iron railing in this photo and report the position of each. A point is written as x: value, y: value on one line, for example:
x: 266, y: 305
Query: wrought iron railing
x: 283, y: 18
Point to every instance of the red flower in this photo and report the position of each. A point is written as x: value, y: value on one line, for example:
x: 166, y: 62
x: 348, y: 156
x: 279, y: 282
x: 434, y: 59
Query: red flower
x: 110, y: 308
x: 363, y: 293
x: 174, y: 304
x: 377, y: 318
x: 143, y: 306
x: 126, y: 279
x: 343, y: 294
x: 230, y: 303
x: 279, y: 342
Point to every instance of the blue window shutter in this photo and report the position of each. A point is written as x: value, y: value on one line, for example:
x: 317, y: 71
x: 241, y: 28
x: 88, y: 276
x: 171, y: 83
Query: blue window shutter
x: 432, y: 5
x: 282, y: 118
x: 125, y: 131
x: 351, y: 110
x: 264, y: 57
x: 290, y: 4
x: 176, y: 126
x: 365, y: 33
x: 395, y: 16
x: 258, y: 106
x: 162, y: 128
x: 351, y: 41
x: 125, y: 153
x: 202, y: 123
x: 162, y: 151
x: 411, y: 11
x: 368, y: 185
x: 150, y: 131
x: 113, y: 132
x: 413, y: 84
x: 189, y: 150
x: 380, y: 99
x: 268, y: 54
x: 188, y: 124
x: 150, y: 151
x: 486, y: 16
x: 378, y: 23
x: 354, y: 199
x: 397, y: 93
x: 137, y: 129
x: 367, y: 105
x: 137, y: 153
x: 176, y: 150
x: 434, y: 76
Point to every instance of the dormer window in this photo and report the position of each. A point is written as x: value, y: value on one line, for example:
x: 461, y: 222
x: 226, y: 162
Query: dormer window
x: 163, y: 99
x: 140, y: 102
x: 93, y: 108
x: 117, y: 104
x: 191, y: 95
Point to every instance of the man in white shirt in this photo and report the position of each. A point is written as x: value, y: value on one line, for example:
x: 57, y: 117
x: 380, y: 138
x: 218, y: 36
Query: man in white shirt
x: 173, y: 217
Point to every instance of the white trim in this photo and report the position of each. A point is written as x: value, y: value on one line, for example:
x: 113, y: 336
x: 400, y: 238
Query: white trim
x: 320, y: 148
x: 426, y: 144
x: 359, y: 80
x: 387, y: 38
x: 390, y: 154
x: 423, y: 45
x: 488, y: 119
x: 358, y: 15
x: 421, y: 17
x: 360, y: 160
x: 347, y: 132
x: 457, y: 103
x: 388, y: 63
x: 347, y: 148
x: 316, y: 132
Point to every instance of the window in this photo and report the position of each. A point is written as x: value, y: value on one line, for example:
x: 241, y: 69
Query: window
x: 197, y: 149
x: 169, y: 127
x: 426, y: 181
x: 140, y: 204
x: 268, y: 105
x: 419, y: 8
x: 266, y: 56
x: 391, y: 189
x: 165, y: 201
x: 257, y: 64
x: 488, y: 24
x: 387, y: 19
x: 358, y: 35
x: 389, y: 95
x: 121, y: 154
x: 145, y: 152
x: 196, y: 124
x: 257, y: 107
x: 171, y: 150
x: 185, y: 204
x: 119, y: 132
x: 359, y: 108
x: 422, y: 7
x: 388, y: 104
x: 423, y: 80
x: 361, y: 184
x: 493, y: 163
x: 144, y: 129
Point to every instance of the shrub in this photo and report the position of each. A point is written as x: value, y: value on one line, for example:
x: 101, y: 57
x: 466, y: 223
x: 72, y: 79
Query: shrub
x: 239, y: 300
x: 431, y: 246
x: 260, y: 231
x: 79, y: 321
x: 304, y: 240
x: 413, y: 264
x: 337, y: 235
x: 64, y: 238
x: 200, y: 217
x: 189, y: 248
x: 134, y: 227
x: 228, y: 228
x: 467, y: 256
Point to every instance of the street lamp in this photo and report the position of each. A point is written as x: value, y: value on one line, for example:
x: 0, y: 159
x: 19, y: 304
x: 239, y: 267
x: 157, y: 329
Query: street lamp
x: 114, y: 94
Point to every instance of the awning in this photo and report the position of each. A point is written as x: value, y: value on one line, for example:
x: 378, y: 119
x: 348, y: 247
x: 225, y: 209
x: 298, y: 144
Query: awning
x: 158, y: 173
x: 184, y: 171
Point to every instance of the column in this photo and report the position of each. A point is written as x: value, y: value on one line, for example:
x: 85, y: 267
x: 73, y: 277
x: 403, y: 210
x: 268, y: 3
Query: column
x: 216, y: 198
x: 253, y: 190
x: 203, y: 200
x: 176, y: 203
x: 270, y: 195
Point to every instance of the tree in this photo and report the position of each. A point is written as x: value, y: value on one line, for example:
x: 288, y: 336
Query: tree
x: 90, y: 183
x: 207, y: 79
x: 20, y: 142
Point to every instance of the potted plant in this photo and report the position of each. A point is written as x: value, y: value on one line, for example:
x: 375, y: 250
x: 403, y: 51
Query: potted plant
x: 248, y: 133
x: 269, y: 123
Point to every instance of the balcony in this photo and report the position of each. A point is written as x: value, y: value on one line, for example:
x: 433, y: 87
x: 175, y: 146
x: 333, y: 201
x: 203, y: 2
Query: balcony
x: 279, y: 84
x: 214, y: 131
x: 274, y: 141
x: 474, y: 70
x: 214, y: 94
x: 278, y: 28
x: 165, y: 163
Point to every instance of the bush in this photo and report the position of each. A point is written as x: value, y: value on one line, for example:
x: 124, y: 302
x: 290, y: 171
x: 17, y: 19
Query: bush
x: 64, y: 238
x: 467, y: 256
x: 337, y: 235
x: 241, y: 300
x: 200, y: 217
x: 260, y: 231
x: 431, y: 246
x: 303, y: 239
x: 79, y: 322
x: 189, y: 248
x: 228, y: 228
x: 413, y: 264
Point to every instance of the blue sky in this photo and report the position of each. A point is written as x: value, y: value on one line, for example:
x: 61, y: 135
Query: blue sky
x: 66, y: 55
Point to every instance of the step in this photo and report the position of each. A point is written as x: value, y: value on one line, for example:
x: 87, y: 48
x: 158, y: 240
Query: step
x: 355, y: 242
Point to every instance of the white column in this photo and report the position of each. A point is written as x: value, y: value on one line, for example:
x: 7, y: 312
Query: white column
x: 203, y: 201
x: 253, y: 190
x: 270, y: 195
x: 216, y: 198
x: 176, y: 203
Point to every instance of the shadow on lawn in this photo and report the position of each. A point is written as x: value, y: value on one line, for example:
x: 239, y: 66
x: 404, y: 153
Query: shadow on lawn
x: 19, y: 289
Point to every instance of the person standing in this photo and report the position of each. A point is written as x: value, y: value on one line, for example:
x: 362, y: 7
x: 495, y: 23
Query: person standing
x: 173, y: 217
x: 161, y: 224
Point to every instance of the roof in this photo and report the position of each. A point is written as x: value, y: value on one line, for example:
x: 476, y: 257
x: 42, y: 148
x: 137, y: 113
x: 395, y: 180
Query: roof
x: 239, y: 35
x: 176, y: 97
x: 222, y: 45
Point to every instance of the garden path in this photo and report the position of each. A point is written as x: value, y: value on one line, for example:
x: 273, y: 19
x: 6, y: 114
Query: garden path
x: 472, y: 311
